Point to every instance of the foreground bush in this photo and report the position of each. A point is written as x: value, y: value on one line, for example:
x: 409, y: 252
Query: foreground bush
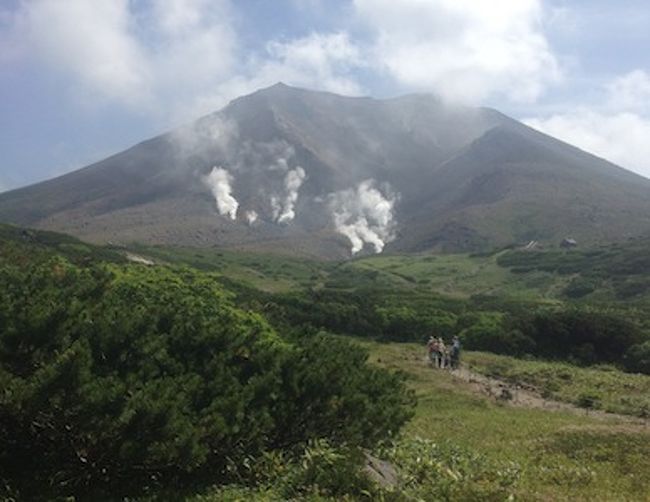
x: 128, y: 377
x: 320, y: 470
x: 425, y: 470
x: 433, y: 471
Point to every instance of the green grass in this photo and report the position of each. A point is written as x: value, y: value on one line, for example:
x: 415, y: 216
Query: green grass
x: 618, y: 273
x: 611, y: 390
x: 271, y: 273
x: 606, y: 275
x: 459, y: 276
x: 21, y: 246
x: 463, y: 275
x: 563, y: 456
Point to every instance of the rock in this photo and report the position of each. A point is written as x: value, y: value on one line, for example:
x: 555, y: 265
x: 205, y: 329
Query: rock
x: 381, y: 472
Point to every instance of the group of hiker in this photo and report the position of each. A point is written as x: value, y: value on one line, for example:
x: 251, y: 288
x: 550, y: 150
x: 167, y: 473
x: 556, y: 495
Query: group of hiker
x: 442, y: 355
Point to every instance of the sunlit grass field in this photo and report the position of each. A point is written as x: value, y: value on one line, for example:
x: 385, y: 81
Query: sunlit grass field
x: 607, y: 388
x: 560, y: 456
x: 563, y: 456
x: 463, y: 275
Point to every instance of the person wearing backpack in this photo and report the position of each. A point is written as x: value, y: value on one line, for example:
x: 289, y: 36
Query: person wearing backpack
x: 455, y: 353
x: 432, y: 347
x: 444, y: 354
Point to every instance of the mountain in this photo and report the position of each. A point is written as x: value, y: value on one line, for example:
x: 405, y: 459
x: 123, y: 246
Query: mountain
x: 313, y: 173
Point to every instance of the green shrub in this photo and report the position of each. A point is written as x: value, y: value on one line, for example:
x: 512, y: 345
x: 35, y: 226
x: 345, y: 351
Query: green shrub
x: 579, y: 287
x: 403, y: 323
x: 637, y: 358
x: 124, y: 378
x: 491, y: 332
x: 631, y: 288
x: 583, y: 335
x: 588, y: 400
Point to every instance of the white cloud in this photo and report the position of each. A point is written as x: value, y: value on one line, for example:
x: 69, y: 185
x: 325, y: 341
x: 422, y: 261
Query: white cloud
x: 621, y: 138
x: 154, y: 55
x: 616, y: 128
x: 630, y: 92
x: 93, y: 42
x: 183, y: 58
x: 463, y: 49
x: 195, y: 51
x: 317, y: 61
x: 175, y: 59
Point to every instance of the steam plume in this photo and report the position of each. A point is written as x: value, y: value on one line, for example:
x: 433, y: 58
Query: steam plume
x: 205, y: 138
x: 292, y: 183
x: 276, y: 207
x: 220, y: 183
x: 364, y: 215
x: 251, y: 217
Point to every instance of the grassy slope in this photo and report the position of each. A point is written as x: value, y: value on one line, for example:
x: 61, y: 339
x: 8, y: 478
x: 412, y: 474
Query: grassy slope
x: 619, y: 273
x: 601, y: 276
x: 610, y: 389
x: 457, y: 275
x: 464, y: 275
x: 272, y: 273
x: 563, y: 456
x: 19, y: 246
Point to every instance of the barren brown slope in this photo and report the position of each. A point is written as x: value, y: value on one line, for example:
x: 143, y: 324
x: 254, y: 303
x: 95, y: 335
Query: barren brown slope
x: 514, y: 185
x: 467, y: 178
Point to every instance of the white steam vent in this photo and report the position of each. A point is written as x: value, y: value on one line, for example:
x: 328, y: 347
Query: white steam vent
x: 364, y: 215
x: 267, y: 170
x: 220, y: 183
x: 251, y: 217
x: 292, y: 183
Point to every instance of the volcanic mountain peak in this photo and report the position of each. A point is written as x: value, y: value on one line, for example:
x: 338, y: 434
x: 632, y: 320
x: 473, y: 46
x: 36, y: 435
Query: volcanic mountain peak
x: 314, y: 173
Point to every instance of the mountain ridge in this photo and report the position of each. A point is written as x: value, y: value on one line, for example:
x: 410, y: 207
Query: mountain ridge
x: 314, y: 173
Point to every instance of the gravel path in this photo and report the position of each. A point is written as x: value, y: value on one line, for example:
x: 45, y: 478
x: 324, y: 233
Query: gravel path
x: 529, y: 397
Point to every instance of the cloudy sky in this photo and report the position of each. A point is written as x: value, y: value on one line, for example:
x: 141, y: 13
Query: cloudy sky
x: 82, y: 79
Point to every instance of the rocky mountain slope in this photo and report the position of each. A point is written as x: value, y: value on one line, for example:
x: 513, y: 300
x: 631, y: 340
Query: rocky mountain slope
x: 313, y: 173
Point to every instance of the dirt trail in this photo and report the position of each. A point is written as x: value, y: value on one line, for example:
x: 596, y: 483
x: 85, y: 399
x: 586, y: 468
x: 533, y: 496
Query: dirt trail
x: 529, y: 397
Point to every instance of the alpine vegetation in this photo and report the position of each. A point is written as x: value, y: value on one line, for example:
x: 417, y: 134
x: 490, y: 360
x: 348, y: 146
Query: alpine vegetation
x: 118, y: 378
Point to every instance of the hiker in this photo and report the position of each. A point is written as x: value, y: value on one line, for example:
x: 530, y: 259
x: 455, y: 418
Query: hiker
x: 442, y: 350
x: 455, y: 353
x: 432, y: 346
x: 447, y: 357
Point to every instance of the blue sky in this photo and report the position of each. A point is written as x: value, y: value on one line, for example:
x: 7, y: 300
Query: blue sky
x: 82, y: 79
